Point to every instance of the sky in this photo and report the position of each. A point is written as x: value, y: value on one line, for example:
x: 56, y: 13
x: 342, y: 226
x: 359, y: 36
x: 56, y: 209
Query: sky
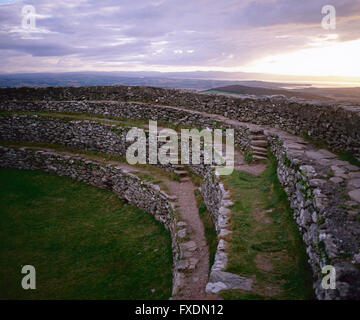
x: 265, y: 36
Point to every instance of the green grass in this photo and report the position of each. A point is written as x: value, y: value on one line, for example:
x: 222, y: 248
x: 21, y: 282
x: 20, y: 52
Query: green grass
x: 249, y: 157
x: 265, y: 244
x: 84, y: 242
x: 349, y: 157
x: 209, y: 228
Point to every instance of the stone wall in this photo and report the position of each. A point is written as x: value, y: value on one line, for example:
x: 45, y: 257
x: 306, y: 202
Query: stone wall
x: 79, y: 134
x: 142, y: 194
x: 336, y: 125
x: 322, y: 193
x: 218, y: 201
x: 134, y: 110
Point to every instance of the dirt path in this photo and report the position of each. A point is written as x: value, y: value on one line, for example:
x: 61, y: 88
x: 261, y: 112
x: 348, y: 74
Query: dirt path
x: 195, y: 279
x: 240, y: 164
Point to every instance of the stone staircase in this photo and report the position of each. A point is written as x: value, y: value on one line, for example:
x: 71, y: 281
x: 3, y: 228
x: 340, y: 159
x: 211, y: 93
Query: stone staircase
x: 258, y: 144
x: 180, y: 170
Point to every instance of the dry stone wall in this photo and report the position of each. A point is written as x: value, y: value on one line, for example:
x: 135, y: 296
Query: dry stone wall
x: 79, y: 134
x: 319, y: 187
x: 337, y: 125
x: 134, y: 110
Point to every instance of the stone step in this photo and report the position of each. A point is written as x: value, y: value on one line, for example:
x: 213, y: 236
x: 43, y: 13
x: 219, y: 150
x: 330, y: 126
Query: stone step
x: 259, y: 149
x: 185, y: 179
x: 258, y: 137
x: 256, y: 131
x: 260, y: 153
x: 258, y: 158
x: 178, y: 166
x: 259, y: 143
x: 181, y: 172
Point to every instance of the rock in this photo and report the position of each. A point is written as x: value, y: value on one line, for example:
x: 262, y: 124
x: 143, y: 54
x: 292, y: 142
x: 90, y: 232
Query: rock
x: 320, y: 154
x: 351, y: 203
x: 327, y: 154
x: 353, y: 175
x: 182, y: 233
x: 357, y: 258
x: 182, y: 264
x: 213, y: 288
x: 308, y: 170
x: 181, y: 224
x: 224, y: 232
x: 192, y: 263
x: 352, y: 168
x: 354, y: 183
x: 221, y: 280
x: 337, y: 170
x: 188, y: 246
x: 355, y: 195
x: 224, y: 210
x: 316, y: 182
x: 221, y: 245
x: 336, y: 180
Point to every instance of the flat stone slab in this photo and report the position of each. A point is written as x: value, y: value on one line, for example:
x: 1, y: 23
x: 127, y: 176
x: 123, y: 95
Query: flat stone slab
x: 355, y: 195
x: 320, y: 154
x: 354, y: 174
x: 316, y: 182
x: 355, y: 183
x: 181, y: 224
x: 189, y: 246
x: 336, y: 180
x: 295, y: 146
x: 182, y: 233
x: 220, y: 280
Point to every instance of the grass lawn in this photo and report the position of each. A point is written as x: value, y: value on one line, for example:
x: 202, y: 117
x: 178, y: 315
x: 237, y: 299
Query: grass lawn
x: 84, y: 242
x: 266, y: 244
x: 209, y: 228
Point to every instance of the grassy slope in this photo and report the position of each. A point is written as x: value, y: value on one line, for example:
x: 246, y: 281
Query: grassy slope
x: 84, y: 242
x: 266, y: 244
x: 209, y: 228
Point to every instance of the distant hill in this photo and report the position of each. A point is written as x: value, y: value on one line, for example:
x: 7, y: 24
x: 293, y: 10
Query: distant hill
x: 180, y: 80
x: 260, y: 91
x: 221, y: 82
x: 346, y: 94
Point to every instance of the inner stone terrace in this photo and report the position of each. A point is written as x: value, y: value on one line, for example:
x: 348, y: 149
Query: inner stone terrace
x: 324, y: 191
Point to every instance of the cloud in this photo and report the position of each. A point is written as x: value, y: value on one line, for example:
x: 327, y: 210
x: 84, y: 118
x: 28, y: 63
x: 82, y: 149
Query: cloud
x: 7, y: 2
x: 91, y: 35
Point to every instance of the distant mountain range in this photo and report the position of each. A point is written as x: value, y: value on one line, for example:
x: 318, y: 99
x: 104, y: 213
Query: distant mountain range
x: 339, y: 94
x: 220, y: 82
x: 261, y: 91
x: 110, y: 78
